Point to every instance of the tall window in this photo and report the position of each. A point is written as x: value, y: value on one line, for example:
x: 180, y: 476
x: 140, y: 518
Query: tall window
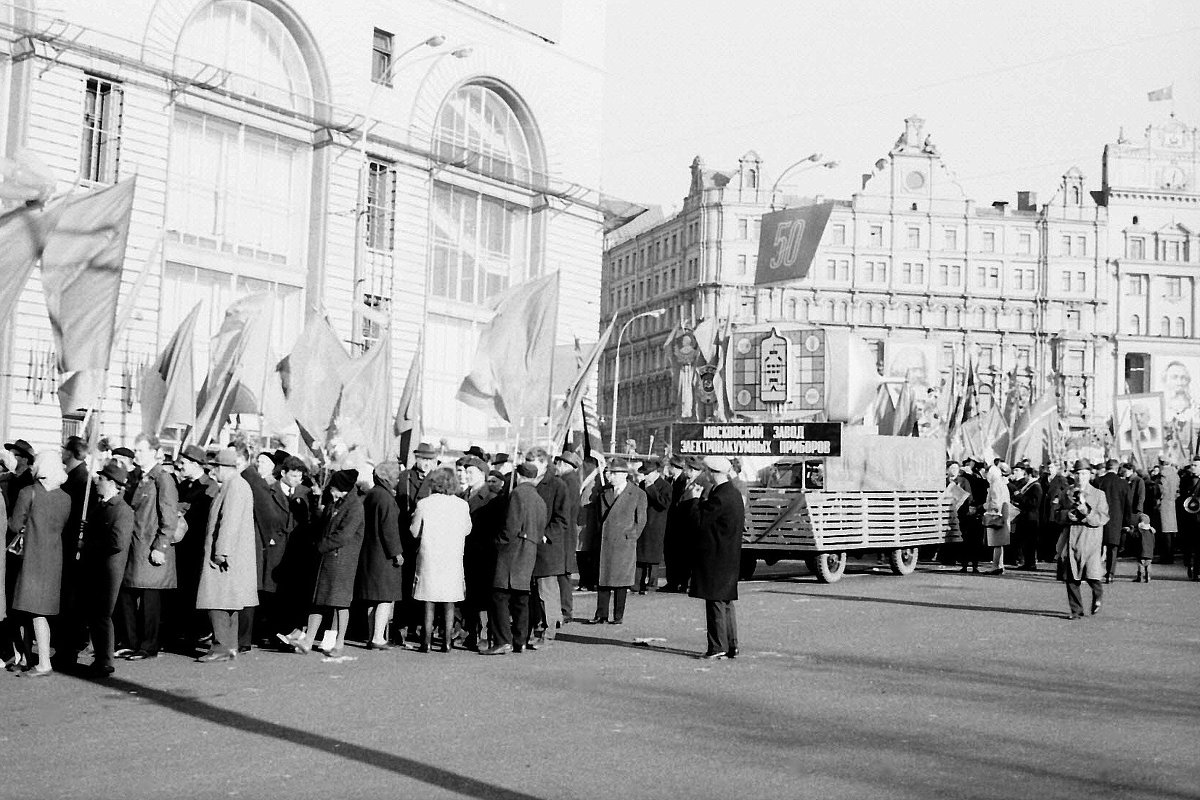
x: 1137, y: 285
x: 837, y: 234
x: 381, y: 205
x: 478, y: 129
x: 1025, y: 243
x: 950, y: 239
x: 480, y: 244
x: 1175, y: 287
x: 743, y: 228
x: 875, y: 236
x: 988, y: 242
x: 914, y: 238
x: 381, y: 58
x: 1137, y: 373
x: 100, y: 153
x: 1135, y: 324
x: 1137, y: 249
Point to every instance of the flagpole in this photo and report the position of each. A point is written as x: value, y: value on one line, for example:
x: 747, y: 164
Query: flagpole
x: 553, y: 352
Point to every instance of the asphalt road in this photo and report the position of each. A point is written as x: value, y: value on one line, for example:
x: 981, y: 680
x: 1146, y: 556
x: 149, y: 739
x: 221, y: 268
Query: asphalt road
x: 928, y: 686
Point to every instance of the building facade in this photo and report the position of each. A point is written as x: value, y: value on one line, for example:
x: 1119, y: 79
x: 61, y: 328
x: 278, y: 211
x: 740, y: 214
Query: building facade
x: 392, y: 166
x: 1030, y: 292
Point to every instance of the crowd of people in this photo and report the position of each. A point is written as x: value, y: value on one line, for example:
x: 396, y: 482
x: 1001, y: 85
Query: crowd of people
x: 1080, y: 520
x: 127, y: 552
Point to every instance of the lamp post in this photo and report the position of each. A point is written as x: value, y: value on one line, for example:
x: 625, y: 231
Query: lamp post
x: 612, y: 438
x: 813, y: 160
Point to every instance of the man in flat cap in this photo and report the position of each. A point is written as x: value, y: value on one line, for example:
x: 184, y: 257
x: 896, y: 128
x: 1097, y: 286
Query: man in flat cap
x: 413, y: 486
x: 658, y: 503
x: 105, y: 549
x: 718, y: 519
x: 229, y: 581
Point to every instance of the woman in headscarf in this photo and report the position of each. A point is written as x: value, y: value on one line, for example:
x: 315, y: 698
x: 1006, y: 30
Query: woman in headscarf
x: 339, y: 546
x: 440, y: 524
x: 39, y: 518
x: 379, y: 582
x: 997, y: 514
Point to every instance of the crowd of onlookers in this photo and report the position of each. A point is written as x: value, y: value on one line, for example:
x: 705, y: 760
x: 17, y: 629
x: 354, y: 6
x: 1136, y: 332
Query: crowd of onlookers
x: 1081, y: 520
x: 128, y: 552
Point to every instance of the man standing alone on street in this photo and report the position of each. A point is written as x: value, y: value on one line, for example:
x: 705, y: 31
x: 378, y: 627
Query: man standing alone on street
x: 1081, y: 542
x: 229, y: 581
x: 719, y: 519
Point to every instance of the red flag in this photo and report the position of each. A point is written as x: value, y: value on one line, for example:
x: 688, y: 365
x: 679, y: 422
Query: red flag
x: 169, y: 388
x: 1030, y: 432
x: 407, y: 424
x: 22, y: 238
x: 311, y: 376
x: 363, y: 411
x: 582, y: 382
x: 246, y: 327
x: 511, y: 375
x: 81, y: 278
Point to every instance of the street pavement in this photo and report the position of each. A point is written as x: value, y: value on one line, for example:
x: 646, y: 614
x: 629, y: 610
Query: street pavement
x: 934, y: 685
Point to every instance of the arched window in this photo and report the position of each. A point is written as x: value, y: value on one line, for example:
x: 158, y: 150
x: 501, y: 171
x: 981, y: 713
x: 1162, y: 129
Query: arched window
x: 752, y: 178
x: 791, y: 308
x: 980, y: 318
x: 1076, y: 196
x: 1135, y: 324
x: 1179, y: 328
x: 1164, y: 327
x: 479, y: 128
x: 238, y: 182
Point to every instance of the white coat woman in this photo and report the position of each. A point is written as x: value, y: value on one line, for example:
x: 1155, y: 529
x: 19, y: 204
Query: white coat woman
x: 998, y: 515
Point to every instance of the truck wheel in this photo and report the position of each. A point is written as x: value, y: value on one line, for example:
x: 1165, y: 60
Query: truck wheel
x: 747, y: 569
x: 831, y: 567
x: 903, y: 560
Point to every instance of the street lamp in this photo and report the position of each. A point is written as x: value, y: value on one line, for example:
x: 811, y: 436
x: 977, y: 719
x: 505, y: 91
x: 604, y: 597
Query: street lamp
x: 813, y: 160
x: 656, y: 313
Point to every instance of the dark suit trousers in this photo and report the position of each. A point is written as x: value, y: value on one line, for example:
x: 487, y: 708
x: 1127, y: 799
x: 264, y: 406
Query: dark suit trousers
x: 1110, y: 559
x: 225, y: 630
x: 101, y: 602
x: 140, y: 621
x: 1075, y: 593
x: 245, y: 629
x: 722, y: 625
x: 618, y: 595
x: 566, y: 596
x: 509, y: 620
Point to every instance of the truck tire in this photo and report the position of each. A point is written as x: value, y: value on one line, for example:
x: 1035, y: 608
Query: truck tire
x: 831, y: 566
x: 903, y: 560
x: 746, y: 572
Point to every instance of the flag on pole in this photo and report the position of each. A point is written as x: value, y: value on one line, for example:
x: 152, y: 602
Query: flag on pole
x: 407, y: 424
x: 169, y: 388
x: 511, y: 373
x: 582, y: 381
x: 884, y: 411
x: 81, y: 278
x: 904, y: 422
x: 986, y: 436
x: 22, y: 238
x: 247, y: 324
x: 363, y: 412
x: 311, y: 377
x: 1165, y: 93
x: 1031, y: 431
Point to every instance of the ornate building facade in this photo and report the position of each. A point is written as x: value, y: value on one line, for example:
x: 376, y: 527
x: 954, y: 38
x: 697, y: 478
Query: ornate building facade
x: 1026, y: 290
x: 392, y: 166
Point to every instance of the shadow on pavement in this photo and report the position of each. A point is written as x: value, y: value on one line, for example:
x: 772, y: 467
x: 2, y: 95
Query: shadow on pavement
x: 434, y: 776
x: 1027, y: 612
x: 580, y: 639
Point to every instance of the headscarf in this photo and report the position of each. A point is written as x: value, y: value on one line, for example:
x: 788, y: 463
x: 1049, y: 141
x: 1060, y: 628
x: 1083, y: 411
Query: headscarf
x: 997, y: 495
x: 387, y: 475
x: 48, y: 468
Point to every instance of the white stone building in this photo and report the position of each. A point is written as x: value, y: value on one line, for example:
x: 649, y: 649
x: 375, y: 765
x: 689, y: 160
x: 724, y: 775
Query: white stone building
x: 244, y: 121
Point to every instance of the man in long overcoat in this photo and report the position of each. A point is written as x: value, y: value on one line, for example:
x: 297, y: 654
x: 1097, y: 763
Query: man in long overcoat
x: 1054, y: 487
x: 69, y: 628
x: 717, y: 547
x: 1080, y: 544
x: 1026, y: 494
x: 102, y: 563
x: 650, y: 544
x: 1168, y: 512
x: 280, y: 510
x: 229, y: 581
x: 379, y: 583
x: 1117, y: 493
x: 150, y: 570
x: 487, y: 508
x: 516, y: 551
x: 196, y: 491
x: 551, y: 554
x: 413, y: 486
x: 568, y: 464
x: 622, y: 510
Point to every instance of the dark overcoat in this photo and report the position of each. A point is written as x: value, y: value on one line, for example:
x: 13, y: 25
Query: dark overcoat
x: 4, y: 557
x: 154, y: 500
x: 43, y: 516
x: 622, y: 518
x: 551, y: 554
x: 487, y: 510
x: 339, y: 547
x: 106, y: 541
x: 719, y: 519
x: 76, y: 487
x: 571, y: 542
x: 195, y: 500
x: 297, y: 572
x: 277, y: 517
x: 517, y: 540
x: 1116, y: 492
x: 379, y: 581
x: 658, y: 505
x: 1137, y: 495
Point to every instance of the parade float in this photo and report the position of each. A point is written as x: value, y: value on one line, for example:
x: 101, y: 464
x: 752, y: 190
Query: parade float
x: 821, y: 486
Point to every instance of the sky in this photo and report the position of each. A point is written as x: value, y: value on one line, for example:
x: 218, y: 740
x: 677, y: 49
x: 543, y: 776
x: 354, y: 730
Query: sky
x: 1013, y: 93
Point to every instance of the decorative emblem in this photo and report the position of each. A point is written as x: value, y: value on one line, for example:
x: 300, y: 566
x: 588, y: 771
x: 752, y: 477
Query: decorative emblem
x: 773, y: 369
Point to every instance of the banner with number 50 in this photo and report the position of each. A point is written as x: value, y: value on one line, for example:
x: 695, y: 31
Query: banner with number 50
x: 789, y: 241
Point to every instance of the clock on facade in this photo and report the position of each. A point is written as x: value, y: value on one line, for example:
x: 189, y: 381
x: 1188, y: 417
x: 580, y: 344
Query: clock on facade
x: 914, y: 180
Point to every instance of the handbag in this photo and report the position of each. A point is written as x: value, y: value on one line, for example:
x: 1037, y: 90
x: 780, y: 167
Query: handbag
x: 993, y: 520
x: 17, y: 545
